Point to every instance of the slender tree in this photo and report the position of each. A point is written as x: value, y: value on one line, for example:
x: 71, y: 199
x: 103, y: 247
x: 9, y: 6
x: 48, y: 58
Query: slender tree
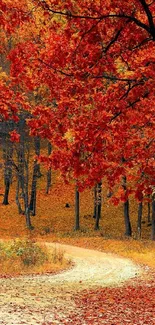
x: 7, y: 157
x: 95, y: 200
x: 35, y: 175
x: 49, y: 171
x: 128, y: 230
x: 23, y: 154
x: 98, y: 204
x: 77, y: 209
x: 32, y: 205
x: 139, y: 220
x: 149, y: 211
x: 153, y: 218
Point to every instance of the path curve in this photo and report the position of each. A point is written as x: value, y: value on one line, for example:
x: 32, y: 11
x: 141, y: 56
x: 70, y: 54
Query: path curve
x: 39, y: 299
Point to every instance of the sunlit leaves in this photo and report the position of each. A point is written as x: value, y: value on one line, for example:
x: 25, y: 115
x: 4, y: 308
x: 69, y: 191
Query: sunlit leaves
x: 89, y: 67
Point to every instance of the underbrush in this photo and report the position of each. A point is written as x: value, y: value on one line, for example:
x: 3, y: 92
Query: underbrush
x: 27, y: 257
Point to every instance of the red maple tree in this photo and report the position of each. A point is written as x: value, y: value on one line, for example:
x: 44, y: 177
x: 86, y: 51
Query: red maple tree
x: 97, y: 61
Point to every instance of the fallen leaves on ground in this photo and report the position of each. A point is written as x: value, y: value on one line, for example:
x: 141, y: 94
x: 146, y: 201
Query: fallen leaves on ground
x: 132, y: 304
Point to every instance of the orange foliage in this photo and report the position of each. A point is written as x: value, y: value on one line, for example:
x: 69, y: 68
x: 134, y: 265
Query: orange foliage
x: 55, y: 222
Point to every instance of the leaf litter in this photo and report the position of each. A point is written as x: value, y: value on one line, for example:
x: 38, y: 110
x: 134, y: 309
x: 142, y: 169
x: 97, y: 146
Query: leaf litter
x: 91, y: 292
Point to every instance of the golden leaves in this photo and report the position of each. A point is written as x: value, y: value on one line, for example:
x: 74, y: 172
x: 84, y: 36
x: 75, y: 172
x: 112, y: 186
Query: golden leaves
x: 3, y: 75
x: 69, y: 135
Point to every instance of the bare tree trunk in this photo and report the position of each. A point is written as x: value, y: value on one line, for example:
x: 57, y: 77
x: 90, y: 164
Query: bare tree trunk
x: 49, y: 172
x: 77, y: 209
x: 98, y: 205
x: 128, y: 230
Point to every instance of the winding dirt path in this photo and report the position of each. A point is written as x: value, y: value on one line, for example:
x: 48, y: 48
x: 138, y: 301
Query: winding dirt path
x: 49, y: 299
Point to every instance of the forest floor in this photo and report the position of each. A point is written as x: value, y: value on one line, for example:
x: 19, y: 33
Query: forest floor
x: 55, y: 223
x: 103, y: 290
x: 64, y: 298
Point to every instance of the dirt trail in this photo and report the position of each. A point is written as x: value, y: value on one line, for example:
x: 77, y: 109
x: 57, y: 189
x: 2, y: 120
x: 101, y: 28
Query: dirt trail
x: 32, y: 300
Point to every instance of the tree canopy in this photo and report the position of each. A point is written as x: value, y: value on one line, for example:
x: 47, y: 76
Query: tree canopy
x: 90, y: 67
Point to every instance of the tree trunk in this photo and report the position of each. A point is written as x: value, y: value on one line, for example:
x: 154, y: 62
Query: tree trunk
x: 153, y: 218
x: 149, y: 211
x: 98, y: 206
x: 36, y: 174
x: 95, y: 202
x: 20, y: 192
x: 37, y: 152
x: 26, y: 188
x: 128, y: 230
x: 77, y: 209
x: 139, y: 221
x: 49, y: 172
x: 7, y: 156
x: 20, y: 211
x: 32, y: 206
x: 28, y: 219
x: 23, y: 173
x: 6, y: 193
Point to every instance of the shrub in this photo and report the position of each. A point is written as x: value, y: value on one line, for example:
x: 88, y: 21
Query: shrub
x: 27, y: 257
x: 2, y: 253
x: 57, y: 256
x: 28, y: 252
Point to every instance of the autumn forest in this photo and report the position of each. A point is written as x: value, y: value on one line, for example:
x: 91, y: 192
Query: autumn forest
x: 77, y: 145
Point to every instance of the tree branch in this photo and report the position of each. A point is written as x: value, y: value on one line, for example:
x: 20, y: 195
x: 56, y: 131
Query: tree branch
x: 149, y: 16
x: 113, y: 78
x: 56, y: 70
x: 71, y: 15
x: 113, y: 40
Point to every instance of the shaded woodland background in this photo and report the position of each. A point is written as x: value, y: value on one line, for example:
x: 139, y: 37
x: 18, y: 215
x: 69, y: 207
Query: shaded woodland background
x: 34, y: 196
